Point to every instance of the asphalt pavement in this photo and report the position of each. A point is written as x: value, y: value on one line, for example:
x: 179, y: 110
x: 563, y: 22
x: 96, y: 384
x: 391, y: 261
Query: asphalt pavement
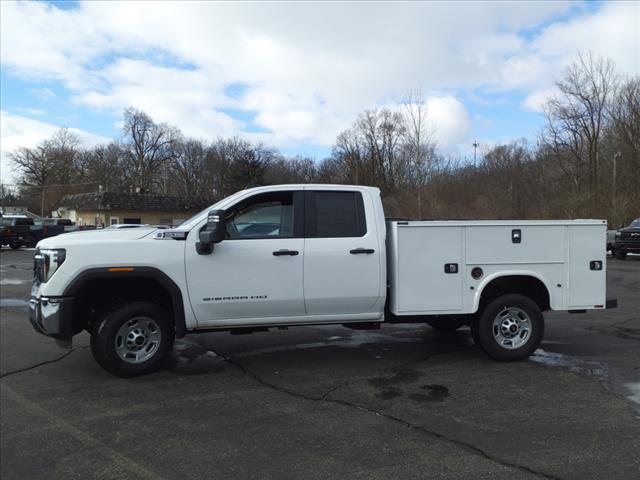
x: 329, y: 402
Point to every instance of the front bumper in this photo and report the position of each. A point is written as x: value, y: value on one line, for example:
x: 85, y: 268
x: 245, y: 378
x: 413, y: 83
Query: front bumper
x: 51, y: 316
x: 627, y: 247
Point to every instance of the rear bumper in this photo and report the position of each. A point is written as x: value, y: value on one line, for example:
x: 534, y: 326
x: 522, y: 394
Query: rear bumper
x: 51, y: 316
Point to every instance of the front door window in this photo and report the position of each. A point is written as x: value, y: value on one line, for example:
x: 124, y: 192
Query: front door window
x: 263, y: 216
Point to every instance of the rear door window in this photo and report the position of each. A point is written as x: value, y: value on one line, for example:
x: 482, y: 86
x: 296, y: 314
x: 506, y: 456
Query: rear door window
x: 334, y: 214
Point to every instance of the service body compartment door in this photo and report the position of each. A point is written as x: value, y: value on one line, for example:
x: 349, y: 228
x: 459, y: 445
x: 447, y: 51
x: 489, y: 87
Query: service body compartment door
x: 429, y: 264
x: 587, y: 284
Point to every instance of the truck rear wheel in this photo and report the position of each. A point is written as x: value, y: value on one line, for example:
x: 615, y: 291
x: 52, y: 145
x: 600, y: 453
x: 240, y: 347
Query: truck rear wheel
x: 132, y: 340
x: 510, y: 328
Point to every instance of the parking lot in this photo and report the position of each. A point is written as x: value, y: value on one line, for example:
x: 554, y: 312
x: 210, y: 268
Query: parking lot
x: 329, y: 402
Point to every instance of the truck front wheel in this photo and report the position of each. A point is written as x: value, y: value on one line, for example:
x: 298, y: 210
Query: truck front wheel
x: 619, y: 254
x: 132, y: 340
x: 510, y: 328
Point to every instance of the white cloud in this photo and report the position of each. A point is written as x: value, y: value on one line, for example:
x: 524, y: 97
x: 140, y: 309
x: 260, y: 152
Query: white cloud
x: 535, y: 101
x: 17, y: 131
x: 451, y: 121
x: 310, y: 67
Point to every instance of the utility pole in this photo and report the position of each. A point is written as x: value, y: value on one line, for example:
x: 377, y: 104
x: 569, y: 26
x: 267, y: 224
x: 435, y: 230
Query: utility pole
x: 475, y: 145
x: 615, y: 204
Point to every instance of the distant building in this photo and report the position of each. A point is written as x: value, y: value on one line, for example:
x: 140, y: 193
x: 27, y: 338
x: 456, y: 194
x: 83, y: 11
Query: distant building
x: 109, y: 208
x: 12, y: 208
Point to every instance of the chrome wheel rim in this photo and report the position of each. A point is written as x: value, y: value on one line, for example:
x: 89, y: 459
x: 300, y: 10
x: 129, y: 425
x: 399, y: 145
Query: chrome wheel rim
x: 512, y: 328
x: 138, y: 340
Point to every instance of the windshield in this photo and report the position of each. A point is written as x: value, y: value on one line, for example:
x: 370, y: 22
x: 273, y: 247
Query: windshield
x: 635, y: 223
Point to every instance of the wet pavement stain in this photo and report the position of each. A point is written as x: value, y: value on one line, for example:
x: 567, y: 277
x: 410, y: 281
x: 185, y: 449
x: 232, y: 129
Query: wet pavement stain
x: 623, y: 333
x: 192, y: 359
x: 435, y: 393
x: 403, y: 376
x: 389, y: 393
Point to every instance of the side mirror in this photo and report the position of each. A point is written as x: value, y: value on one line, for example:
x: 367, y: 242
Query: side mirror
x: 212, y: 233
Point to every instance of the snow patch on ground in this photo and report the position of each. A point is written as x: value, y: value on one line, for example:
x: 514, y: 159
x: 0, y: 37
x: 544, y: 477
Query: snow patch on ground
x: 573, y: 364
x: 13, y: 302
x: 634, y: 388
x: 12, y: 281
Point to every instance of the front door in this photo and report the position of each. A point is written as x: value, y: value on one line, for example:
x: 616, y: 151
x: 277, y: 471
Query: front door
x: 256, y: 272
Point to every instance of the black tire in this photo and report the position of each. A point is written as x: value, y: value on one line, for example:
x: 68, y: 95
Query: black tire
x: 619, y: 254
x: 526, y: 313
x: 15, y: 245
x: 151, y: 319
x: 475, y: 335
x: 445, y: 325
x: 31, y: 242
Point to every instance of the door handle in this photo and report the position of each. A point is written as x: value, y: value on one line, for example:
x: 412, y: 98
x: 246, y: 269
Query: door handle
x: 279, y: 253
x: 357, y: 251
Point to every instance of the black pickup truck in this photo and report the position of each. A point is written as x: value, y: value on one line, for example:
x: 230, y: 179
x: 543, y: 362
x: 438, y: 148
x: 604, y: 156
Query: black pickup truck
x: 627, y: 240
x: 15, y: 231
x: 48, y: 227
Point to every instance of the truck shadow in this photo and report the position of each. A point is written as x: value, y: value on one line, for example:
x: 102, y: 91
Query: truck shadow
x: 346, y: 351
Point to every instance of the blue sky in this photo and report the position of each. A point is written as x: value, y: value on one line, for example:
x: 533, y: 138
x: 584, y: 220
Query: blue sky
x: 293, y: 75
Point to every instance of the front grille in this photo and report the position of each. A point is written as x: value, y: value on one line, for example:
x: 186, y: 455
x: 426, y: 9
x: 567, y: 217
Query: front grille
x: 630, y: 237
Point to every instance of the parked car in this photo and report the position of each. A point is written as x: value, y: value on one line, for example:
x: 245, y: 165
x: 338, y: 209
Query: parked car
x: 118, y: 226
x: 48, y: 227
x: 15, y: 230
x: 330, y: 259
x: 627, y: 240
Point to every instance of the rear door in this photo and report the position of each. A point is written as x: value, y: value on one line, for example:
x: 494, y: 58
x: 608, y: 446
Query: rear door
x: 342, y: 257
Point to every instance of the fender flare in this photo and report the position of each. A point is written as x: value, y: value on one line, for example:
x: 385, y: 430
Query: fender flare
x: 138, y: 272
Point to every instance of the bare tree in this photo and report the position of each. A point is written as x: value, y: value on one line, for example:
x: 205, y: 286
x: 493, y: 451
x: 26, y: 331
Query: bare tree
x: 188, y: 170
x: 103, y: 165
x: 576, y: 119
x: 150, y: 148
x: 52, y: 162
x: 418, y: 143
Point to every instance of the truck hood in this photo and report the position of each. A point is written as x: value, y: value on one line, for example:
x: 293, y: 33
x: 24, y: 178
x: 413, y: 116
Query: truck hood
x: 83, y: 237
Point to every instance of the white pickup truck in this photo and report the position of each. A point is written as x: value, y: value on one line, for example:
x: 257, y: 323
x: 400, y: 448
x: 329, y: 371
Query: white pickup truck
x: 310, y: 255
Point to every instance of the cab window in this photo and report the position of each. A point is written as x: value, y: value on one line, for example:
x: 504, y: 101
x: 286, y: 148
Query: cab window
x: 268, y: 215
x: 334, y: 214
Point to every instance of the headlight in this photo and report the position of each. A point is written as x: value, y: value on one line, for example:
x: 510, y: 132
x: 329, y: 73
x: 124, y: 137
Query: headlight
x: 618, y: 234
x: 46, y: 262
